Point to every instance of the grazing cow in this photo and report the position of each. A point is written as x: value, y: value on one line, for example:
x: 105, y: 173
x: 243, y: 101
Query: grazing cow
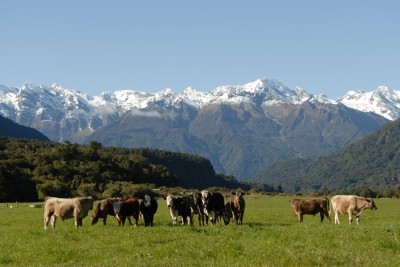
x: 213, y: 205
x: 227, y: 214
x: 66, y: 208
x: 197, y: 208
x: 310, y: 206
x: 238, y: 205
x: 351, y: 204
x: 104, y: 208
x: 148, y: 207
x: 126, y: 208
x: 180, y: 206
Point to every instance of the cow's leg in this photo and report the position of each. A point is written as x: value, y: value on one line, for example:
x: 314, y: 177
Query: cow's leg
x: 79, y: 222
x: 105, y: 220
x: 327, y: 215
x: 151, y: 219
x: 301, y: 217
x: 213, y: 217
x: 321, y: 214
x: 337, y: 217
x: 358, y: 218
x: 53, y: 221
x: 136, y: 217
x: 350, y: 217
x: 47, y: 218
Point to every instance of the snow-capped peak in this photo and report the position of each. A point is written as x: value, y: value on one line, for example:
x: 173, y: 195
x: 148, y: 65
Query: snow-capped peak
x: 383, y: 101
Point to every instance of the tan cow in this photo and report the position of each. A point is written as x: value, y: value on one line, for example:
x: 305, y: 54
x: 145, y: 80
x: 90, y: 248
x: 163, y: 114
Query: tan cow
x: 237, y: 205
x: 351, y: 204
x: 310, y: 206
x: 66, y: 208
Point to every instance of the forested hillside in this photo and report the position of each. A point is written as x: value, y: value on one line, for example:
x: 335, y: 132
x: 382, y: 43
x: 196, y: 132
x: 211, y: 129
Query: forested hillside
x: 31, y: 170
x: 373, y: 162
x: 11, y: 129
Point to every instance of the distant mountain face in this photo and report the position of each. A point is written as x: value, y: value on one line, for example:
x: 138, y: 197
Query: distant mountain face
x: 11, y: 129
x: 241, y: 129
x: 371, y: 162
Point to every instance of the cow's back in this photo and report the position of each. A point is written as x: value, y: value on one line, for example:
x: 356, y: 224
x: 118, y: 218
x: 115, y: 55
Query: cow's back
x: 342, y: 203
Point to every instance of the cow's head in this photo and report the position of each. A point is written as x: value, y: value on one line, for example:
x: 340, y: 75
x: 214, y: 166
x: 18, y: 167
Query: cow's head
x: 94, y: 219
x: 95, y: 216
x: 371, y: 204
x: 170, y: 201
x: 205, y: 197
x: 147, y: 201
x: 117, y: 210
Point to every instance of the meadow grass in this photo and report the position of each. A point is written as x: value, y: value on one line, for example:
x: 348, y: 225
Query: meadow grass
x: 270, y: 236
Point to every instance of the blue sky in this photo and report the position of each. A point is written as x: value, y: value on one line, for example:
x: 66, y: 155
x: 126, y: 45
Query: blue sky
x: 326, y: 47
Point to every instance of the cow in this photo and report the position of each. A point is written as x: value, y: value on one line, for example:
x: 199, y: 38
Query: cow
x: 66, y: 208
x: 180, y: 206
x: 104, y: 208
x: 213, y: 205
x: 198, y: 208
x: 227, y: 213
x: 126, y: 208
x: 310, y: 206
x: 238, y: 205
x: 351, y: 204
x: 148, y: 207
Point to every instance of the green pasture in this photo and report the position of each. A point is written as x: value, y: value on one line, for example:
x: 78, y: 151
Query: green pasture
x: 270, y: 236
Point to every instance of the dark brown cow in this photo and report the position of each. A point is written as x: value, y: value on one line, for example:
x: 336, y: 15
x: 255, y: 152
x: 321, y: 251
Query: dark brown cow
x: 351, y: 204
x: 310, y: 206
x: 237, y: 205
x: 126, y: 208
x: 104, y: 208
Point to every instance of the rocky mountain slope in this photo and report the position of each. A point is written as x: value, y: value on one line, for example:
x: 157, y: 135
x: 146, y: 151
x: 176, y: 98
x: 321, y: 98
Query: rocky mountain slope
x: 240, y: 128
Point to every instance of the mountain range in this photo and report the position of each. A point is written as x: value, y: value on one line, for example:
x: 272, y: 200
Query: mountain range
x: 241, y: 129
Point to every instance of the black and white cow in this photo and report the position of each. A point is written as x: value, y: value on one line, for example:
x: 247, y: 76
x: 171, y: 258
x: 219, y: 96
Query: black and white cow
x: 148, y: 207
x: 213, y: 205
x: 198, y: 208
x: 180, y: 206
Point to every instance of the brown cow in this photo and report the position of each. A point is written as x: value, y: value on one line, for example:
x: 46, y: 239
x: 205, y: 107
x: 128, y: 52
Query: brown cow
x: 310, y: 206
x: 66, y: 208
x: 351, y: 204
x: 126, y: 208
x: 104, y: 208
x: 238, y: 205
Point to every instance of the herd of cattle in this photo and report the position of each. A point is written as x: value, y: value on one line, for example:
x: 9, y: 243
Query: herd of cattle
x: 206, y: 205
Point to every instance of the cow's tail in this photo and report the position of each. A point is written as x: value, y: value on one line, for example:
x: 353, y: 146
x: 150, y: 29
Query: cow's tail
x: 329, y: 207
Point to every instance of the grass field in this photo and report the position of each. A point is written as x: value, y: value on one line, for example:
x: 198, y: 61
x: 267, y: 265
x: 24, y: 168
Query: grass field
x: 270, y: 236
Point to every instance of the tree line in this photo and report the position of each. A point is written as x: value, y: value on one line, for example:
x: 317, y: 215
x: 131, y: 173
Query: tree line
x: 30, y: 170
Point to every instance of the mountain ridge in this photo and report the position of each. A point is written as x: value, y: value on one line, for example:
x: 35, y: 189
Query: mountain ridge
x: 240, y: 128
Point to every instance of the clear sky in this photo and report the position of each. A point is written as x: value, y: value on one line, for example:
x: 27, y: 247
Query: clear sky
x: 326, y: 47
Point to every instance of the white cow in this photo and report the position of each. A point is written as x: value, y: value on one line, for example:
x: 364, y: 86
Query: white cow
x: 351, y: 204
x: 66, y: 208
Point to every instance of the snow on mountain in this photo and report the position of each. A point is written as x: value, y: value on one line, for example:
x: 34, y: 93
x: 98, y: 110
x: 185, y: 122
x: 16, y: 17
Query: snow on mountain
x: 64, y: 109
x: 383, y: 101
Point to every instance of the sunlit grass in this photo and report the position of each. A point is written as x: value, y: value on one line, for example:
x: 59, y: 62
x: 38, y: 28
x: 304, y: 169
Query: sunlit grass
x: 270, y: 236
